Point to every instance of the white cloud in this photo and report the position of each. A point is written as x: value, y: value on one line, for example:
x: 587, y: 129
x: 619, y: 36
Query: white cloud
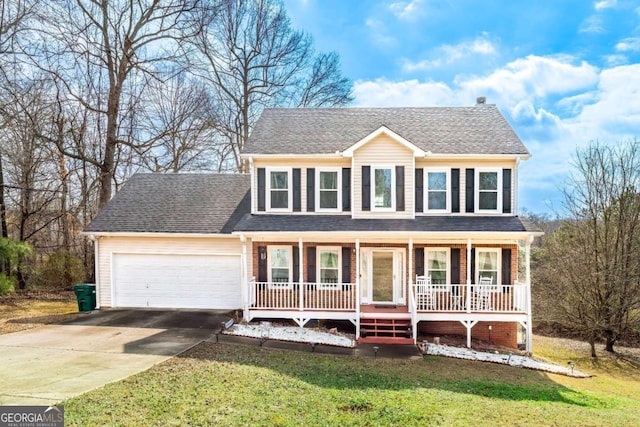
x: 605, y: 4
x: 616, y: 59
x: 406, y: 10
x: 530, y: 78
x: 379, y: 32
x: 448, y: 54
x: 408, y: 93
x: 592, y: 24
x: 629, y: 44
x: 555, y: 104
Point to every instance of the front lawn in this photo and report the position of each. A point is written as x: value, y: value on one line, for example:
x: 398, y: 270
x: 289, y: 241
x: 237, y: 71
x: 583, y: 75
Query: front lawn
x: 228, y: 384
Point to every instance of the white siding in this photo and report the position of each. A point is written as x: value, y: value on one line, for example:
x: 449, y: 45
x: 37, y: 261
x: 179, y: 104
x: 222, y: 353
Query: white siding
x: 303, y: 165
x: 383, y: 150
x: 482, y: 163
x: 108, y: 246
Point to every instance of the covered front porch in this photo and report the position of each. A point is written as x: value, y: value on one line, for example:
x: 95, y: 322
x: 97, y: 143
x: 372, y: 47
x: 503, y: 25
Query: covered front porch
x: 366, y: 277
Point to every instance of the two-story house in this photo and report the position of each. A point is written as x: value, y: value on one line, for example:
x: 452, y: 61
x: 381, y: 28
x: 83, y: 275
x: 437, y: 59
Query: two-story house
x: 399, y: 220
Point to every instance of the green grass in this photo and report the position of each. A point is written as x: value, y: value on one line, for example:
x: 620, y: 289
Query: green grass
x: 226, y: 384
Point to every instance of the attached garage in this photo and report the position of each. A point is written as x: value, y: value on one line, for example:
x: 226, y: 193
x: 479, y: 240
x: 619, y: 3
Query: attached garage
x: 166, y: 241
x: 177, y: 281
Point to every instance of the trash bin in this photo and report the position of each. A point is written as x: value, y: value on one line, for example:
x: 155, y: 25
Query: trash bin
x: 86, y: 295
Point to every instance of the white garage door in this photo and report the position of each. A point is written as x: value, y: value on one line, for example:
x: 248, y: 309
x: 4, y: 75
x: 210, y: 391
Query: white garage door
x: 177, y: 281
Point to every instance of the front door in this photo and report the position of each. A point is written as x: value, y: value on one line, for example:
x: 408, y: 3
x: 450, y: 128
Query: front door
x: 385, y: 274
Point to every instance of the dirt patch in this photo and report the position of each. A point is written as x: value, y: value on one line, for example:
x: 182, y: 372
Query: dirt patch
x: 31, y: 309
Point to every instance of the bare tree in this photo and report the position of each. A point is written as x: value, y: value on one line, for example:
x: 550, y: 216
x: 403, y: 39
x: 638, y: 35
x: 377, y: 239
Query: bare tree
x: 591, y: 264
x: 255, y: 59
x: 113, y: 47
x: 180, y: 110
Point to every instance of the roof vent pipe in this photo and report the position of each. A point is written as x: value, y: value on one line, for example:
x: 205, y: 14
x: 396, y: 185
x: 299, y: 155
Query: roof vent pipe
x: 481, y: 100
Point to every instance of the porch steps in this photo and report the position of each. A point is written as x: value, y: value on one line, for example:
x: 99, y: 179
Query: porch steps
x: 385, y: 331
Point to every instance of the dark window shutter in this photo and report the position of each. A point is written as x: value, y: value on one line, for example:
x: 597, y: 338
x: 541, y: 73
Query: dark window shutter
x: 473, y: 265
x: 399, y: 188
x: 506, y: 266
x: 297, y: 191
x: 262, y: 264
x: 455, y: 190
x: 261, y: 189
x: 419, y: 185
x: 455, y: 266
x: 346, y: 189
x: 366, y: 188
x: 311, y: 264
x: 506, y: 190
x: 346, y: 265
x: 296, y: 263
x: 311, y: 189
x: 469, y: 187
x: 419, y: 261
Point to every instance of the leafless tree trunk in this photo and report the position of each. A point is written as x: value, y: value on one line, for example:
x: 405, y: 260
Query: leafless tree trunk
x: 120, y: 44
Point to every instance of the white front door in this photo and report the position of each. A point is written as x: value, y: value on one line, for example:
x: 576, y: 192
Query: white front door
x: 384, y: 269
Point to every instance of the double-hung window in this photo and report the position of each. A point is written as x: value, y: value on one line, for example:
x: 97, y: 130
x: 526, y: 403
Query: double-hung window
x: 383, y: 188
x: 437, y: 184
x: 328, y: 195
x: 279, y: 189
x: 328, y: 263
x: 437, y: 266
x: 488, y: 265
x: 280, y: 264
x: 488, y: 190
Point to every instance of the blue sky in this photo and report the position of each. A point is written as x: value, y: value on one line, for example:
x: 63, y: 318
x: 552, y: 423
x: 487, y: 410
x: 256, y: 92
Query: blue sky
x: 564, y: 73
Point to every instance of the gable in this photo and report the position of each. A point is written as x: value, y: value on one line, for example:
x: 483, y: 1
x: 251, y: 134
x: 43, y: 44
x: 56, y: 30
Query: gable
x: 384, y: 135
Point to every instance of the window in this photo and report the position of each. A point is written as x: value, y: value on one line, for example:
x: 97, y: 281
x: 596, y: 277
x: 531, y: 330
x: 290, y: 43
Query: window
x: 329, y: 185
x: 436, y: 266
x: 279, y: 189
x: 488, y: 191
x: 487, y: 265
x: 280, y: 264
x: 437, y: 186
x: 328, y: 265
x: 383, y: 188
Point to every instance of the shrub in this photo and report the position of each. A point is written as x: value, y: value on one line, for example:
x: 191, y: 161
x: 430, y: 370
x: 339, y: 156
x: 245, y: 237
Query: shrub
x: 6, y: 284
x: 61, y: 270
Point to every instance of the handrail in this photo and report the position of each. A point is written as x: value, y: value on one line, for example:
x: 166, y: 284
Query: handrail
x: 481, y: 298
x: 305, y: 296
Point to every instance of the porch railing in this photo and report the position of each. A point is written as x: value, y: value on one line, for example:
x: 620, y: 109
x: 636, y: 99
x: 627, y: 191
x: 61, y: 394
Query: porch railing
x: 302, y: 296
x: 482, y: 298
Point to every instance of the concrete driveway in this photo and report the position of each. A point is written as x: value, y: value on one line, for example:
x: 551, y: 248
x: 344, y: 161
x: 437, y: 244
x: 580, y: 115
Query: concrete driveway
x: 46, y: 365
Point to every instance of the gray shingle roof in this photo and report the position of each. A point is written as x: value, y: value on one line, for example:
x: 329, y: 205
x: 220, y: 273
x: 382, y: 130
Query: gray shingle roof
x: 176, y: 203
x: 302, y: 223
x: 480, y: 129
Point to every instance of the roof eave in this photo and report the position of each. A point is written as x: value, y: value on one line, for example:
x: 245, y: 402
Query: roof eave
x: 91, y: 234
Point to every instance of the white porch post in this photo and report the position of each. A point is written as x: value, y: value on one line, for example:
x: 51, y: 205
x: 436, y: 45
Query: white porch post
x: 527, y: 258
x: 468, y: 297
x: 244, y: 278
x: 300, y: 271
x: 358, y: 295
x: 414, y: 326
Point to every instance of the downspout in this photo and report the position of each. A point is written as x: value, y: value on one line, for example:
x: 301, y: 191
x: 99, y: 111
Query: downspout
x: 96, y: 266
